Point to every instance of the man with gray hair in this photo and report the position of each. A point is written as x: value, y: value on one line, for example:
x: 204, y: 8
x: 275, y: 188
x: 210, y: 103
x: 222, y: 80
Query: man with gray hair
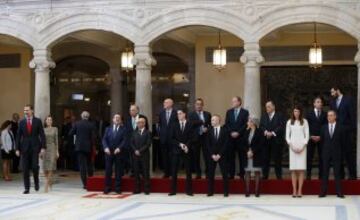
x: 85, y: 139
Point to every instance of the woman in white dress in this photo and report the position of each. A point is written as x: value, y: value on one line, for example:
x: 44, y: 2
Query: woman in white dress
x: 297, y: 137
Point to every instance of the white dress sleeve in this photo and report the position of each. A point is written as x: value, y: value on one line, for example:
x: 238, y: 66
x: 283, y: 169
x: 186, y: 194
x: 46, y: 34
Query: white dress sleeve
x: 288, y: 132
x: 306, y: 132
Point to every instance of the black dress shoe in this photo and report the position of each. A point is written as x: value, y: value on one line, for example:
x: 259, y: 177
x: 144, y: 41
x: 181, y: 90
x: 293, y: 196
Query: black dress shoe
x: 226, y: 195
x: 136, y: 192
x: 257, y: 195
x: 210, y: 194
x: 190, y: 194
x: 172, y: 194
x: 322, y: 195
x: 26, y: 191
x: 147, y: 193
x: 37, y: 187
x: 118, y: 192
x: 106, y: 192
x: 340, y: 196
x: 247, y: 195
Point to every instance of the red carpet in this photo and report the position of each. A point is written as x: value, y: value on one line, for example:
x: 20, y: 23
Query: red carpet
x: 159, y: 185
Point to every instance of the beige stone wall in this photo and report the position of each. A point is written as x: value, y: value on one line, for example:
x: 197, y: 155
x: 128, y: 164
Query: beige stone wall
x: 217, y: 88
x: 15, y: 84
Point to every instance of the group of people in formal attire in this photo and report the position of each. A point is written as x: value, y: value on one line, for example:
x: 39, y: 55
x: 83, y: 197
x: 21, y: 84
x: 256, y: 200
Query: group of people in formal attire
x: 185, y: 137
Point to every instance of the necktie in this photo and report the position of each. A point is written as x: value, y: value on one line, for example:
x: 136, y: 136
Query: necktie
x: 201, y: 116
x: 167, y: 117
x: 331, y: 130
x: 29, y: 126
x: 216, y: 133
x: 182, y: 126
x: 236, y: 114
x: 337, y: 102
x: 317, y: 113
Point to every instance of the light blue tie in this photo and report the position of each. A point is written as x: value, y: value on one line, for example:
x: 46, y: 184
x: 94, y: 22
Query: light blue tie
x: 236, y: 114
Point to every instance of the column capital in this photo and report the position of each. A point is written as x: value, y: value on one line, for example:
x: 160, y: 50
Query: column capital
x: 143, y: 56
x: 42, y: 60
x: 252, y: 55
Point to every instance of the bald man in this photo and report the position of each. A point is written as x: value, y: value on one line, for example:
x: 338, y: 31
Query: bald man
x: 167, y: 117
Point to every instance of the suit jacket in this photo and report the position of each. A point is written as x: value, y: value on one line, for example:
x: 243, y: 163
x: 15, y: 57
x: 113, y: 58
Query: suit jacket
x: 256, y: 145
x: 217, y: 146
x: 346, y: 113
x: 277, y: 125
x: 238, y: 125
x: 128, y: 124
x: 165, y: 134
x: 85, y: 132
x: 187, y: 137
x: 35, y: 140
x: 194, y: 118
x: 130, y: 129
x: 141, y: 142
x: 316, y: 123
x: 332, y: 147
x: 113, y: 140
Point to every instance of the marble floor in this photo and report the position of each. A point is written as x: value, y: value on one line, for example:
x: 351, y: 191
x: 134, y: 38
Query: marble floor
x: 68, y: 201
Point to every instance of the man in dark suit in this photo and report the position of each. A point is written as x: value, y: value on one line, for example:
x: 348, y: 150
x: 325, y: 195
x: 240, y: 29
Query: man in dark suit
x: 333, y: 140
x: 114, y: 143
x: 85, y: 139
x: 14, y: 127
x: 131, y: 126
x: 272, y: 125
x: 30, y: 142
x: 235, y: 122
x: 316, y: 119
x: 217, y: 141
x: 346, y: 116
x: 182, y: 137
x: 167, y: 118
x: 140, y: 144
x: 201, y: 122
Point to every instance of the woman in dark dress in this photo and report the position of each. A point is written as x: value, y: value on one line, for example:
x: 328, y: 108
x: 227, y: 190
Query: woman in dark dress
x: 7, y: 148
x: 253, y: 147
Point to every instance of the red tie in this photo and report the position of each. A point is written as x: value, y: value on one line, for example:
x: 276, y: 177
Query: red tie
x: 29, y: 126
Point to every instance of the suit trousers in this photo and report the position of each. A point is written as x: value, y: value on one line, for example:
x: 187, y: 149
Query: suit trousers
x: 327, y: 160
x: 312, y: 146
x: 30, y: 161
x: 233, y: 149
x: 211, y: 178
x: 166, y: 157
x: 142, y: 166
x: 272, y: 150
x: 85, y: 166
x: 116, y: 161
x: 200, y: 147
x: 176, y: 158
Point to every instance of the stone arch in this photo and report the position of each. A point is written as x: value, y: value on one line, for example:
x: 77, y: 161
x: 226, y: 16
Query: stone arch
x: 115, y: 23
x: 294, y: 14
x: 188, y: 16
x: 19, y: 30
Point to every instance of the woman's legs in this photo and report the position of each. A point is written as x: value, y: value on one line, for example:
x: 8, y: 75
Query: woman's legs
x: 257, y: 183
x: 46, y: 174
x: 50, y: 174
x: 247, y: 183
x: 293, y: 181
x: 301, y: 182
x: 4, y: 170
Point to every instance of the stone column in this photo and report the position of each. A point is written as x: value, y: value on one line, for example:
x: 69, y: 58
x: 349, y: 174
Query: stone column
x: 357, y: 61
x: 42, y: 63
x: 116, y: 93
x: 252, y: 60
x: 143, y: 60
